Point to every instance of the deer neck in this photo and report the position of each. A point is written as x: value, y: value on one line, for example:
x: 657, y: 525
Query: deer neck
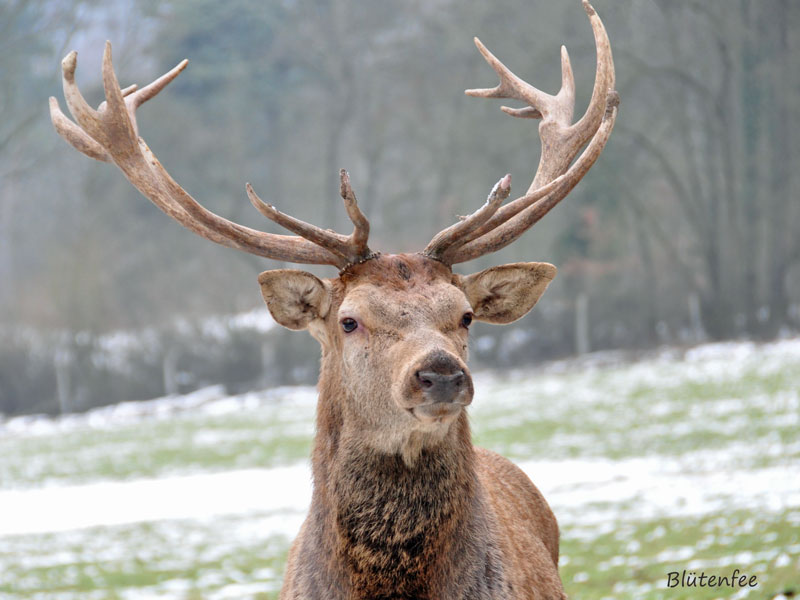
x: 394, y: 529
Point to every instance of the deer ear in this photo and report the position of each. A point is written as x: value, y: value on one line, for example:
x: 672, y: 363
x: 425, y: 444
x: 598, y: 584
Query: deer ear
x: 295, y: 298
x: 506, y: 293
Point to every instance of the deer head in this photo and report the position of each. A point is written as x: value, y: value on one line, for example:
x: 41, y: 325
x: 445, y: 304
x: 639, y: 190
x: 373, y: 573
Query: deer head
x: 393, y: 331
x: 393, y: 328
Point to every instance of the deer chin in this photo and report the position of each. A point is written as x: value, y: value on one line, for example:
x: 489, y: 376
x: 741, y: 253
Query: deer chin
x: 430, y: 429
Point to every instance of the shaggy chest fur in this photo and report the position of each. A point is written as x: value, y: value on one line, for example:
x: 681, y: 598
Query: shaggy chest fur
x: 414, y: 532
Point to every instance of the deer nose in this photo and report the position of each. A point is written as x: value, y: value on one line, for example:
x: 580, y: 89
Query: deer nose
x: 441, y: 387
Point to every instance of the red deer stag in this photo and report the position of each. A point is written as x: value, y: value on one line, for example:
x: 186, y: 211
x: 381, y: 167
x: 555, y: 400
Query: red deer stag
x: 403, y: 507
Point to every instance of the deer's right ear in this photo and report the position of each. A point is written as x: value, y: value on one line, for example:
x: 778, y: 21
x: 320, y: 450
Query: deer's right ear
x: 506, y: 293
x: 295, y: 298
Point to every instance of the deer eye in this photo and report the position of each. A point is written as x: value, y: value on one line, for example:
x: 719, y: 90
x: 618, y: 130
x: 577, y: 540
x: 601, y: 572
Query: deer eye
x: 466, y: 320
x: 349, y: 325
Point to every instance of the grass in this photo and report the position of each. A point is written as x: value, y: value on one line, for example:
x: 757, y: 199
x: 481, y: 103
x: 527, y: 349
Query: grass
x: 277, y: 431
x: 634, y: 559
x: 619, y: 414
x: 724, y: 413
x: 169, y: 559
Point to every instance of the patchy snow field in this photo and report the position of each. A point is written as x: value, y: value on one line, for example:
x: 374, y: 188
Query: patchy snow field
x: 684, y: 460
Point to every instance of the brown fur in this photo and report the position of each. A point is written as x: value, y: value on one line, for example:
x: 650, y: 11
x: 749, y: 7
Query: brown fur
x: 404, y: 507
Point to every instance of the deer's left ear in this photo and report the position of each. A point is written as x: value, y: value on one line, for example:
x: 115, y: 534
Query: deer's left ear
x: 506, y: 293
x: 295, y: 298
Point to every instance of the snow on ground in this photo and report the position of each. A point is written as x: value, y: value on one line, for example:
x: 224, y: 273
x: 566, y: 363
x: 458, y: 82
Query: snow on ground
x: 280, y: 490
x: 582, y: 491
x: 688, y: 458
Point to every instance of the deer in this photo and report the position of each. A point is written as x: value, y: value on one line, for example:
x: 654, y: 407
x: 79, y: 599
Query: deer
x: 403, y: 505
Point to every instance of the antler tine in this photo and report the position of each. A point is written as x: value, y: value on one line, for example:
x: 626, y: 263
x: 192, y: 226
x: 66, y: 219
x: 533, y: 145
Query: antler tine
x: 567, y: 90
x: 510, y: 85
x: 87, y: 118
x: 562, y: 141
x: 604, y: 81
x: 116, y: 114
x: 358, y: 239
x: 151, y: 90
x: 564, y: 100
x: 319, y: 236
x: 351, y: 249
x: 154, y: 87
x: 76, y: 137
x: 457, y: 234
x: 110, y: 134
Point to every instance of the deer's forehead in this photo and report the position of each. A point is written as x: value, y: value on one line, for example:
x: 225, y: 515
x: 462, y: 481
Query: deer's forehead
x: 400, y: 290
x: 432, y: 302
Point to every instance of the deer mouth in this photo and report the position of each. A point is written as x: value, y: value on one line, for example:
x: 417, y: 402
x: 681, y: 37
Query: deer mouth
x: 437, y: 412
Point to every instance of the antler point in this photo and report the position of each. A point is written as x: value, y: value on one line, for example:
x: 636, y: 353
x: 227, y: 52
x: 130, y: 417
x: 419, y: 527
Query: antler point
x: 345, y: 190
x: 107, y: 55
x: 68, y: 64
x: 483, y: 50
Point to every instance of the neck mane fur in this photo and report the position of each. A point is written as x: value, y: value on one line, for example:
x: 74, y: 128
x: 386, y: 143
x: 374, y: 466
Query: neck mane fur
x: 392, y: 530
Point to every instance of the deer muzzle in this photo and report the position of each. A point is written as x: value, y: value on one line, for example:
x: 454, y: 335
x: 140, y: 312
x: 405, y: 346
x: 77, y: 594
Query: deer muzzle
x: 437, y: 385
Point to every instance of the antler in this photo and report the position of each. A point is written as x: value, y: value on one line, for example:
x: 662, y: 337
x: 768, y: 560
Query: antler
x: 491, y: 228
x: 110, y: 134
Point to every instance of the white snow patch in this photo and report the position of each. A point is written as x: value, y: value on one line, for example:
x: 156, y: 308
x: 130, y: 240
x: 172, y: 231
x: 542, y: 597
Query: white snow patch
x: 590, y: 492
x: 581, y: 493
x: 210, y: 400
x: 284, y: 492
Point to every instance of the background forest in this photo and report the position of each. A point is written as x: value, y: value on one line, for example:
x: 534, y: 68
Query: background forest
x: 686, y: 229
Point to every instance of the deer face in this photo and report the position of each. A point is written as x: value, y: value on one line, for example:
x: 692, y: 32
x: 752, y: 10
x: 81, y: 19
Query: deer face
x: 394, y: 332
x: 402, y: 329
